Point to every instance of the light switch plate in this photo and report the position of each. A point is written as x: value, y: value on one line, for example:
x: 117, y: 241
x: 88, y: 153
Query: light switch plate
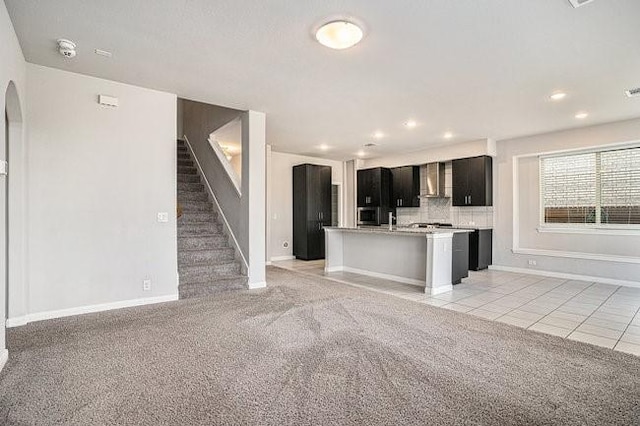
x: 3, y: 168
x: 163, y: 217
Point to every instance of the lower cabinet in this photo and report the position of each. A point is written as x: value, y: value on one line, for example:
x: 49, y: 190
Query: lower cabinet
x: 460, y: 257
x: 480, y: 256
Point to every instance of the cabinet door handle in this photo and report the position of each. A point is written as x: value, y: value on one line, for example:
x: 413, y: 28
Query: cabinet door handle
x: 469, y: 199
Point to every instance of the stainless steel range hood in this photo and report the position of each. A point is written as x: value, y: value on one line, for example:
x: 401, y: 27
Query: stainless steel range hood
x: 435, y: 180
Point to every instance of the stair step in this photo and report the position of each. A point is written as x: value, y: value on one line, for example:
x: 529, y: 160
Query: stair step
x: 192, y: 290
x: 184, y: 155
x: 220, y: 255
x: 187, y: 170
x: 196, y: 206
x: 202, y: 242
x: 195, y: 216
x: 207, y: 272
x: 192, y: 196
x: 190, y: 187
x: 185, y: 162
x: 199, y: 228
x: 182, y: 178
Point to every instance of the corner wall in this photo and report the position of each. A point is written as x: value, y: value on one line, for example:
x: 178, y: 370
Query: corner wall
x: 607, y: 257
x: 97, y: 178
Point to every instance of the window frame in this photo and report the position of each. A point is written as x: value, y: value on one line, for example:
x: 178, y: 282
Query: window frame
x: 583, y: 228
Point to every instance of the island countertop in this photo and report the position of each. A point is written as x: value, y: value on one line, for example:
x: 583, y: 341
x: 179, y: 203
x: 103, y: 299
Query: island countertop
x: 397, y: 231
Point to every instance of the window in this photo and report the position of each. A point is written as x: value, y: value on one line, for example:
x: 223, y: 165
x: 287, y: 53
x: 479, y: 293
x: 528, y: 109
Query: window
x: 592, y: 188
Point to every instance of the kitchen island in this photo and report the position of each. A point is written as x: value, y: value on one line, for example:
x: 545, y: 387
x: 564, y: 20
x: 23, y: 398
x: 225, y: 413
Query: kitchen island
x: 415, y: 256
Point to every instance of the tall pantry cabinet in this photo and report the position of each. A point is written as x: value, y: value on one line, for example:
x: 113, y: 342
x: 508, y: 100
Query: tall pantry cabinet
x: 311, y: 209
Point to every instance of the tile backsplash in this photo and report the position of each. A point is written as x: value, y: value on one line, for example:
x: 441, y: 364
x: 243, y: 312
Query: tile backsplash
x: 441, y: 210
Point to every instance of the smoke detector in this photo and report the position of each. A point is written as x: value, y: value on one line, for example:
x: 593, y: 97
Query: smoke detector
x: 632, y: 93
x: 578, y: 3
x: 67, y: 48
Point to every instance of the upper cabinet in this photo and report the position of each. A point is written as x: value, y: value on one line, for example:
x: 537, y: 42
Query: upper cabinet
x: 374, y: 187
x: 406, y: 186
x: 472, y: 180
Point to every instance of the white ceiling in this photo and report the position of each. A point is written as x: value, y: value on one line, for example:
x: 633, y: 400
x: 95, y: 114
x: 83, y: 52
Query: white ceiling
x: 481, y: 69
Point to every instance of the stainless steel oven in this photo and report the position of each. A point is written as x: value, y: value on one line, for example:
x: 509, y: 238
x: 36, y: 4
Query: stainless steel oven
x: 369, y: 216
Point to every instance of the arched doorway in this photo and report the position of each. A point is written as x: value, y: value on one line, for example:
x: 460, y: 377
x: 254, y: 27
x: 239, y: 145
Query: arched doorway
x: 12, y: 136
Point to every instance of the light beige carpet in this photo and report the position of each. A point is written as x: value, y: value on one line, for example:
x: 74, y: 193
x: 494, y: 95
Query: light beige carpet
x: 307, y: 351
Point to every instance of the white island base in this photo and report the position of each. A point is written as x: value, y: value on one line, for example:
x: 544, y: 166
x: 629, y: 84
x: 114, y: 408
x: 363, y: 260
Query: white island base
x: 418, y: 258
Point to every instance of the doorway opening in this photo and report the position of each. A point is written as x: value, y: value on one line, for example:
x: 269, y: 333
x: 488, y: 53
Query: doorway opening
x: 12, y: 136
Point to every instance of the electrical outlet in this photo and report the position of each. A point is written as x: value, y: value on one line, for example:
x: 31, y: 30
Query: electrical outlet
x: 532, y: 263
x: 146, y: 285
x: 163, y: 217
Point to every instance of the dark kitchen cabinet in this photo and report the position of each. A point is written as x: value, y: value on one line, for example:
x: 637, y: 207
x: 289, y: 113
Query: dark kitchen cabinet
x: 472, y: 181
x: 311, y: 210
x: 480, y: 251
x: 406, y: 186
x: 459, y: 257
x: 374, y: 187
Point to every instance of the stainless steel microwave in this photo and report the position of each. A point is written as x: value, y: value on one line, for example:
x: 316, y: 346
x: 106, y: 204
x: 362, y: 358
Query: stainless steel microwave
x: 369, y: 216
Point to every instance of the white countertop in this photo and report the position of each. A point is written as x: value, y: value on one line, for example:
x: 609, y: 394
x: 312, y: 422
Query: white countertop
x: 398, y: 231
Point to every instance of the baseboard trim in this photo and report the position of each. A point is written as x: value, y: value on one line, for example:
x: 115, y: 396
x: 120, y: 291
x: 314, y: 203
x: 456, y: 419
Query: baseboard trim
x: 17, y: 321
x: 260, y: 284
x: 4, y: 357
x: 577, y: 255
x: 279, y: 258
x: 397, y: 278
x: 89, y: 309
x: 563, y: 275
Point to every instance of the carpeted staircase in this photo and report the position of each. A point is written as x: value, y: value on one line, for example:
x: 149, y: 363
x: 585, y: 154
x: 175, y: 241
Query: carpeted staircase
x: 206, y: 261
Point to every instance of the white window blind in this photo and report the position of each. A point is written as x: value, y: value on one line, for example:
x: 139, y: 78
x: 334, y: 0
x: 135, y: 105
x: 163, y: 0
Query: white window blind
x: 592, y: 188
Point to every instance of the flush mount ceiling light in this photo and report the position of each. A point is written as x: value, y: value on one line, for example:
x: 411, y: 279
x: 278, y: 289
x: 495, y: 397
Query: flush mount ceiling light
x: 339, y: 34
x: 557, y: 96
x: 66, y: 48
x: 582, y: 115
x: 410, y: 124
x: 323, y: 147
x: 448, y: 135
x: 378, y: 135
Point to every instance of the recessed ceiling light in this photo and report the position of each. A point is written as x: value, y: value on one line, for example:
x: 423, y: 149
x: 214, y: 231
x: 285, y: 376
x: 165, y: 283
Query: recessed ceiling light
x: 410, y: 124
x: 582, y: 115
x: 378, y: 135
x: 324, y: 147
x: 557, y: 96
x: 360, y: 153
x: 339, y: 34
x: 448, y: 135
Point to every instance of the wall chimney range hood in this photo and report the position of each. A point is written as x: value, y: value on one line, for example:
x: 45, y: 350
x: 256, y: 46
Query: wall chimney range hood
x: 435, y: 180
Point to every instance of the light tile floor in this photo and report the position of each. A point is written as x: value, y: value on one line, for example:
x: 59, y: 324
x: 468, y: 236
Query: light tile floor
x: 600, y: 314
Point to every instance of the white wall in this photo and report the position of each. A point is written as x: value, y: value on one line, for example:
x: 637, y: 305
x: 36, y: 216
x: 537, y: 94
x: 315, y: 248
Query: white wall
x: 97, y: 178
x: 280, y: 194
x: 12, y: 69
x: 608, y: 257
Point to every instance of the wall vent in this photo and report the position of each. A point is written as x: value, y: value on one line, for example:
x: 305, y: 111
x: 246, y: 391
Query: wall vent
x: 632, y: 93
x: 578, y: 3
